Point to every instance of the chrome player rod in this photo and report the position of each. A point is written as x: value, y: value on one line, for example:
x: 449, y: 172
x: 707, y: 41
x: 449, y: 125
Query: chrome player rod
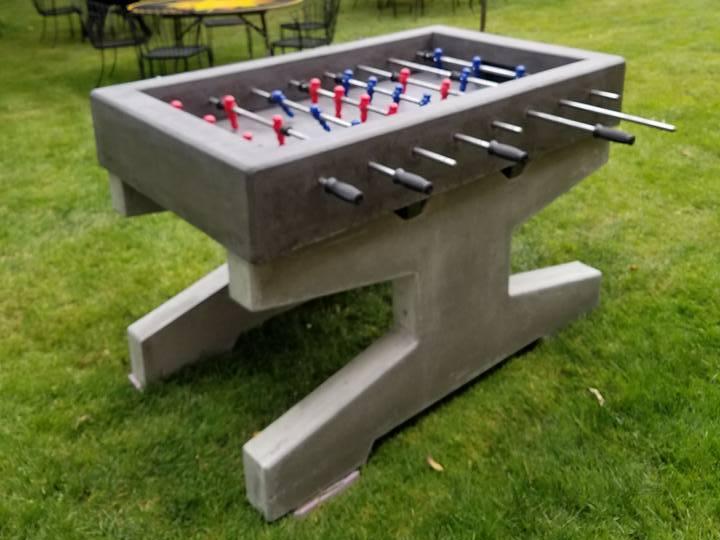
x: 302, y: 108
x: 512, y: 128
x: 605, y: 94
x: 502, y: 72
x: 327, y: 93
x: 441, y: 72
x: 259, y: 119
x: 422, y: 152
x: 359, y: 84
x: 599, y: 131
x: 411, y: 80
x: 434, y: 156
x: 616, y: 114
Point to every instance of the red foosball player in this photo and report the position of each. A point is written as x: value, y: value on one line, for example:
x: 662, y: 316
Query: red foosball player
x: 313, y: 90
x: 364, y: 105
x: 445, y: 88
x: 229, y: 106
x: 278, y: 127
x: 403, y: 78
x: 339, y: 92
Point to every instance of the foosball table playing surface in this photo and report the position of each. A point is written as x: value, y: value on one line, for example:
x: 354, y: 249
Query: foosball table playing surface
x: 408, y: 158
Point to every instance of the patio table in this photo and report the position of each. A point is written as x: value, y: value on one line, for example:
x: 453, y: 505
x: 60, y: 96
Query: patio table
x: 198, y: 9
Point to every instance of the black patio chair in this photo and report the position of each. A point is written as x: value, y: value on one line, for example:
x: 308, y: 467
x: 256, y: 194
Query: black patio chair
x: 224, y: 21
x: 417, y: 7
x: 174, y: 40
x: 110, y: 26
x: 314, y: 27
x: 57, y: 9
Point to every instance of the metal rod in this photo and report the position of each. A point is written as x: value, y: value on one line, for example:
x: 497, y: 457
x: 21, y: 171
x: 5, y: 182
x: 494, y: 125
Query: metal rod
x: 301, y: 108
x: 604, y: 94
x: 441, y: 72
x: 561, y: 120
x: 411, y: 80
x: 381, y: 168
x: 450, y: 162
x: 383, y: 91
x: 471, y: 140
x: 616, y: 114
x: 598, y: 130
x: 348, y: 100
x: 502, y: 72
x: 264, y: 121
x: 507, y: 126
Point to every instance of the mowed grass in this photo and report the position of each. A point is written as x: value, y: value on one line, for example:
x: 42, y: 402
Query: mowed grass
x: 528, y: 451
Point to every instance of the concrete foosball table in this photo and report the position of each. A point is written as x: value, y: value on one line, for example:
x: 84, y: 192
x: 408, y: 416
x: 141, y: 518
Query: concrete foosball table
x: 457, y: 309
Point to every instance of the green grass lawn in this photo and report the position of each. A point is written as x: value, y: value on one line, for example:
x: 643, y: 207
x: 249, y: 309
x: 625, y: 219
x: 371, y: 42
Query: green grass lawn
x: 528, y: 451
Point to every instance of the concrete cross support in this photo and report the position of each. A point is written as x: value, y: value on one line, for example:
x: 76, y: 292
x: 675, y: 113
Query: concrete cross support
x: 457, y: 312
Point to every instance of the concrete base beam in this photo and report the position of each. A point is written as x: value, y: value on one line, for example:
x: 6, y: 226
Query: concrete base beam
x: 200, y: 322
x: 457, y: 313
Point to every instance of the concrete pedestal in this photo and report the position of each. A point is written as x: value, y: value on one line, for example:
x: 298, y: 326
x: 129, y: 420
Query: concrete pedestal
x: 457, y: 313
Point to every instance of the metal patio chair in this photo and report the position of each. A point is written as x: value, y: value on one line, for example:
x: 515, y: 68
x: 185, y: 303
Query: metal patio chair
x: 224, y: 21
x: 57, y: 9
x: 174, y: 41
x: 315, y: 26
x: 110, y: 26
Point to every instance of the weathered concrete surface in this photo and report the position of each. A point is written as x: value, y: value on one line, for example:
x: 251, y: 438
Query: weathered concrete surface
x: 457, y: 312
x: 262, y: 201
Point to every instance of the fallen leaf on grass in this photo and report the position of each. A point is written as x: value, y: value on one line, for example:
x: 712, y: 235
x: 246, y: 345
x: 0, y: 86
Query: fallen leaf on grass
x: 434, y: 465
x: 80, y: 421
x: 600, y: 399
x: 633, y: 267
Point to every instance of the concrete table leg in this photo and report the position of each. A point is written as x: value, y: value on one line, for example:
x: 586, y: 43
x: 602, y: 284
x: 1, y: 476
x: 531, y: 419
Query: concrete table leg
x: 457, y: 310
x: 200, y: 322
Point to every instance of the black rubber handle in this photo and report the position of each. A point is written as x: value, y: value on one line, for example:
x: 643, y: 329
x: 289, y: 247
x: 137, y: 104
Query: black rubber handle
x: 505, y: 151
x: 341, y: 190
x: 614, y: 135
x: 412, y: 181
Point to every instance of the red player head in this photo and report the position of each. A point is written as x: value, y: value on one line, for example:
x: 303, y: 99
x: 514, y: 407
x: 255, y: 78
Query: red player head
x: 392, y: 109
x: 176, y: 103
x: 210, y: 118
